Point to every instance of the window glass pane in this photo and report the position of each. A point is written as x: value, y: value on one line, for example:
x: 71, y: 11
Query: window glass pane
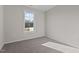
x: 27, y: 14
x: 29, y: 18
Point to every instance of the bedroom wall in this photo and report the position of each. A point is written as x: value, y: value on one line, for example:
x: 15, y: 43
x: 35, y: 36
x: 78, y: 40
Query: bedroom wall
x: 14, y: 24
x: 1, y: 27
x: 63, y: 24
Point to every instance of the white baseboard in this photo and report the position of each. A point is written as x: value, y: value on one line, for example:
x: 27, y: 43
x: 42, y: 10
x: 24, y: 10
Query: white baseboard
x: 1, y: 46
x: 52, y: 37
x: 23, y: 39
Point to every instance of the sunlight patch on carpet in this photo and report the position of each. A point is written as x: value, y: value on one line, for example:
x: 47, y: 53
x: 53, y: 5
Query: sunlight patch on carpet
x: 60, y: 47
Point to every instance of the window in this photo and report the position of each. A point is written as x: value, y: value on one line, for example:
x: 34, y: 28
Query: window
x: 29, y: 21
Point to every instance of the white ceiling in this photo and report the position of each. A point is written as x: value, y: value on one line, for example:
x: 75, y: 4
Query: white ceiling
x: 42, y: 7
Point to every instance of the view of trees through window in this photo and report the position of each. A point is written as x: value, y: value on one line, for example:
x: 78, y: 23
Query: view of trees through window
x: 29, y: 21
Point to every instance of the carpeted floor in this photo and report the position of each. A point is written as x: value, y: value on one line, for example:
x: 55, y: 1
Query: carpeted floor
x: 30, y: 46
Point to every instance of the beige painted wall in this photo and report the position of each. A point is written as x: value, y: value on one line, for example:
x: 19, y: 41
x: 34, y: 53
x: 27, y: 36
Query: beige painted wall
x: 63, y: 24
x: 1, y: 27
x: 14, y: 24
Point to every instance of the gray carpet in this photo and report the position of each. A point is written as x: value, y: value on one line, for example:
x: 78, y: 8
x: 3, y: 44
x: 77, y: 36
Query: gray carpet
x: 30, y: 46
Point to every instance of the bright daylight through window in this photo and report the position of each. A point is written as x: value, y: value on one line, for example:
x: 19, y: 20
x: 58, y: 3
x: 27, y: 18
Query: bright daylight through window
x: 29, y: 21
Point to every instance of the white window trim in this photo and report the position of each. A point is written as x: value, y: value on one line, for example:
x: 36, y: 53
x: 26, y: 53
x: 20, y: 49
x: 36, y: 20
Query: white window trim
x: 34, y: 25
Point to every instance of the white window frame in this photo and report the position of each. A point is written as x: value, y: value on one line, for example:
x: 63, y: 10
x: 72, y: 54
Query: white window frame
x: 33, y: 22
